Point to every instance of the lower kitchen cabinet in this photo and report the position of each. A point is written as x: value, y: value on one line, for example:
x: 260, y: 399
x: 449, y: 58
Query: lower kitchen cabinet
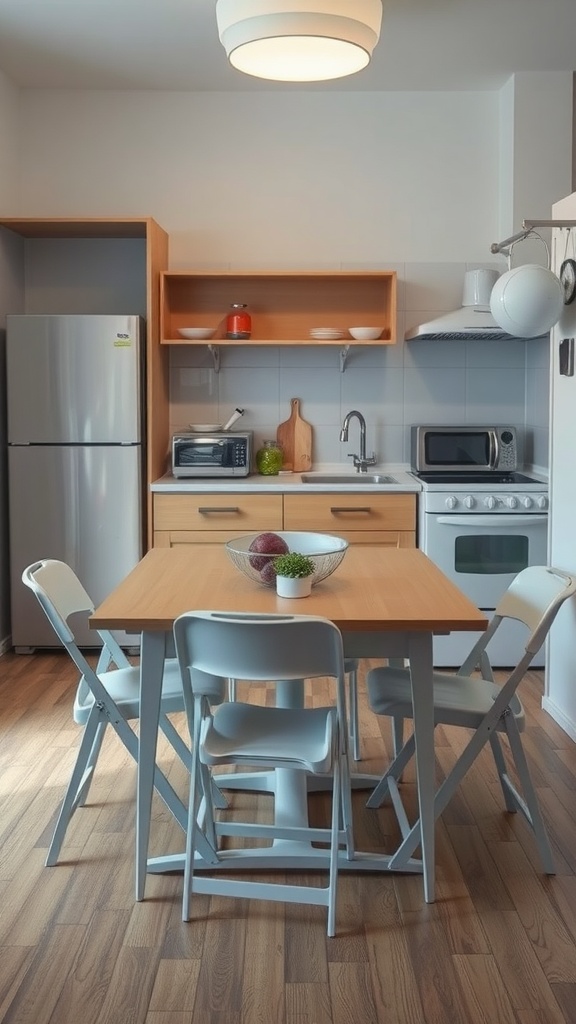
x: 387, y: 519
x: 360, y: 518
x: 213, y: 518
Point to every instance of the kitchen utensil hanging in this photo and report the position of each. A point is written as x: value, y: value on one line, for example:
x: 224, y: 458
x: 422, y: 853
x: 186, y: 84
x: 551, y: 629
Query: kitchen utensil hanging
x: 206, y: 428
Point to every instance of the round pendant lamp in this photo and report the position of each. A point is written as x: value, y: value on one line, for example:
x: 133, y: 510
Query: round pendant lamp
x: 299, y: 40
x: 527, y: 301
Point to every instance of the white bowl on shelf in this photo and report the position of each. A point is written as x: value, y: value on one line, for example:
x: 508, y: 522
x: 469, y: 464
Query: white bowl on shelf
x: 365, y: 333
x: 196, y: 333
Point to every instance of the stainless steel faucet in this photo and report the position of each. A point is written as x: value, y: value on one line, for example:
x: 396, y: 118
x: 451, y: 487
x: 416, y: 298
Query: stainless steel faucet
x: 362, y: 461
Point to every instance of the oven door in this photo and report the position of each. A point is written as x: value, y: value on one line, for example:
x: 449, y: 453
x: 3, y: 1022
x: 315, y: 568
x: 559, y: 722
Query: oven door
x: 483, y: 553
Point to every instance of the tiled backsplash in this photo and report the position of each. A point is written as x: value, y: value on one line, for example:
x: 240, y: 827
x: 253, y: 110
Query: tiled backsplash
x: 393, y: 386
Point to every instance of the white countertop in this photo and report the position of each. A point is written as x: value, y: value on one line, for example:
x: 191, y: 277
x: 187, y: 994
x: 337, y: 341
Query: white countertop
x: 289, y: 483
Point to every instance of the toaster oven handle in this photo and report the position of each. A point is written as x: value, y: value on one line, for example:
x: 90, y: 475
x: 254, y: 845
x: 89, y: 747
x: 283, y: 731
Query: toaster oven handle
x: 206, y: 509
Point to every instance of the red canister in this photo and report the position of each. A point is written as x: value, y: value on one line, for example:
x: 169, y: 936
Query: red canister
x: 238, y: 322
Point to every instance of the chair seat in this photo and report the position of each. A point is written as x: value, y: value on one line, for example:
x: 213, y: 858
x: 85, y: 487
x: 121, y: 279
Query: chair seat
x: 458, y: 700
x: 241, y: 733
x: 123, y: 685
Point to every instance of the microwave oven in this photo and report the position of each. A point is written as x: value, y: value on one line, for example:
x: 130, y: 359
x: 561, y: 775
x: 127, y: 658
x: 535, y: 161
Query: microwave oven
x: 218, y: 454
x: 470, y: 448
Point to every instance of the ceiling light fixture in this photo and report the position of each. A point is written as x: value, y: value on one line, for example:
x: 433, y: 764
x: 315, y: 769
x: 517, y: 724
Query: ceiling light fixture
x: 299, y: 40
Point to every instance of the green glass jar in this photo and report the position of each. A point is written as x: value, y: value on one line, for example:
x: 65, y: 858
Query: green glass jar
x: 269, y: 458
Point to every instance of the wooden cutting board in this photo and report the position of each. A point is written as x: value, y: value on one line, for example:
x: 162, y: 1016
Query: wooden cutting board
x: 295, y: 436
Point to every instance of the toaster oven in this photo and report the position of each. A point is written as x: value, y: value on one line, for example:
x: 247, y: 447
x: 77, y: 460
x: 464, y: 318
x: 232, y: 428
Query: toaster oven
x: 217, y: 454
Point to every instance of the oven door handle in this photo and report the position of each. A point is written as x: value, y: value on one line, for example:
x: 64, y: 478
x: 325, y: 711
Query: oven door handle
x: 502, y: 521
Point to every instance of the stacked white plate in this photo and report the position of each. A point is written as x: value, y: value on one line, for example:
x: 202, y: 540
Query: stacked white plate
x: 326, y: 333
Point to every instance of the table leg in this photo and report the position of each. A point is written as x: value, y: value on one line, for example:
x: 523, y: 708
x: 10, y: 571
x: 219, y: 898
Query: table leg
x: 421, y: 660
x: 152, y: 655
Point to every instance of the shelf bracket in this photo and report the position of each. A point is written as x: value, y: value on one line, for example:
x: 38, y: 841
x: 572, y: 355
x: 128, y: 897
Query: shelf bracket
x: 215, y: 353
x: 343, y: 357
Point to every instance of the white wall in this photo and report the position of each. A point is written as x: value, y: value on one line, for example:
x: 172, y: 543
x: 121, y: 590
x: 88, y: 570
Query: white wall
x: 413, y: 181
x: 536, y: 150
x: 9, y: 147
x: 309, y: 177
x: 282, y: 178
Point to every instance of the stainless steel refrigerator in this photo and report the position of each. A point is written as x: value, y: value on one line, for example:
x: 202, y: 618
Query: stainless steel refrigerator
x: 75, y: 456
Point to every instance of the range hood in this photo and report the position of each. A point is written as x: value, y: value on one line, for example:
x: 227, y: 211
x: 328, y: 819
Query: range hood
x: 473, y: 321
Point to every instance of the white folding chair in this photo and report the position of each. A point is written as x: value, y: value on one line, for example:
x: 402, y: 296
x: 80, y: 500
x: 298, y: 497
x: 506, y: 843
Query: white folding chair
x: 105, y: 696
x: 313, y: 740
x: 477, y: 702
x: 351, y: 671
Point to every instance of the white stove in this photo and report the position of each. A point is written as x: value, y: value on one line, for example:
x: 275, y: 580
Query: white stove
x: 471, y: 492
x: 481, y: 528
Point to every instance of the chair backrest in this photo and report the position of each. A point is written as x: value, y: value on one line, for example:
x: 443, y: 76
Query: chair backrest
x: 258, y: 647
x: 59, y: 592
x: 534, y: 598
x: 61, y: 595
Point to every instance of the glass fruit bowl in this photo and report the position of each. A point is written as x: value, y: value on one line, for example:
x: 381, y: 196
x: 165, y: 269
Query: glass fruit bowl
x: 325, y: 551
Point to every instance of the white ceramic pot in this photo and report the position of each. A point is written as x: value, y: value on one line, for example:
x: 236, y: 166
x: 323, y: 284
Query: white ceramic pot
x: 288, y: 586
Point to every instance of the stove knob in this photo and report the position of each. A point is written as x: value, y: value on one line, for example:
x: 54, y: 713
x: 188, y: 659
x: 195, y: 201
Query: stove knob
x: 527, y: 502
x: 451, y: 502
x: 469, y: 501
x: 490, y: 502
x: 542, y: 502
x: 512, y: 502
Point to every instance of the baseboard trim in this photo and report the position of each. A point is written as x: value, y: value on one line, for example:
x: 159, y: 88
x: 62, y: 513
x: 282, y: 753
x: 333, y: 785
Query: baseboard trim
x: 563, y: 721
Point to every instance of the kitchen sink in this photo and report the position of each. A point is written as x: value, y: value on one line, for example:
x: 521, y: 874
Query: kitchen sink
x: 347, y: 478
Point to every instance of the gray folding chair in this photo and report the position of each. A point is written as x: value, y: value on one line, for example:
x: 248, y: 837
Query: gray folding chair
x: 477, y: 702
x: 105, y: 696
x: 285, y: 648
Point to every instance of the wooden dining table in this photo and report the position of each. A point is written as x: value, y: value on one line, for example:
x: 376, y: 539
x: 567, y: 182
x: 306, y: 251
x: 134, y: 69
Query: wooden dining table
x: 387, y: 602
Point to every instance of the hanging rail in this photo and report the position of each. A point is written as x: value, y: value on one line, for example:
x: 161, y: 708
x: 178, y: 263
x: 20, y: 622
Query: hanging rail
x: 529, y: 226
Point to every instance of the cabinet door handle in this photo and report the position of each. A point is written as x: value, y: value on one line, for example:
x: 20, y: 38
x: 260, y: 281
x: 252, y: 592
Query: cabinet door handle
x: 220, y: 508
x: 350, y: 508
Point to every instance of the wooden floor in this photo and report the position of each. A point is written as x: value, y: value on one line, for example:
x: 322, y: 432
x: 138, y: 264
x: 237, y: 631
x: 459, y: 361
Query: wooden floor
x: 499, y: 945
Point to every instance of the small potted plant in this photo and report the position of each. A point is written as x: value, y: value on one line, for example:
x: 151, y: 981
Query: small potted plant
x: 293, y: 574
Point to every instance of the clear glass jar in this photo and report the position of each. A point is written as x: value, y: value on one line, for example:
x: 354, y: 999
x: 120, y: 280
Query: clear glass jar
x: 238, y: 322
x: 269, y: 458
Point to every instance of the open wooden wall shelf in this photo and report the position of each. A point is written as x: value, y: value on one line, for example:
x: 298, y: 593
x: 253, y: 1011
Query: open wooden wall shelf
x: 284, y: 305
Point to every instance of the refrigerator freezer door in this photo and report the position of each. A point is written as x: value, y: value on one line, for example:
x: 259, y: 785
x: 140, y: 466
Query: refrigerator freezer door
x: 81, y: 505
x: 74, y: 379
